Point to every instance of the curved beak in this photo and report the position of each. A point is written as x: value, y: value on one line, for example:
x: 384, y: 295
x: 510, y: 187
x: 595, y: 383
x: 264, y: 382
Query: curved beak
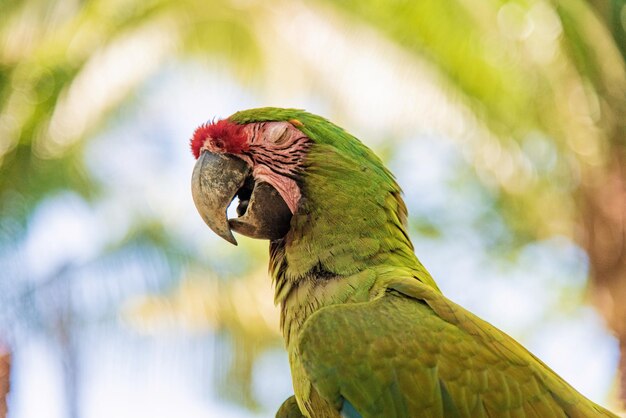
x: 217, y: 179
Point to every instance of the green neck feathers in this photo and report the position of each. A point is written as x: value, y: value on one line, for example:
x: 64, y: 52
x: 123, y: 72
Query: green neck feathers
x: 351, y: 216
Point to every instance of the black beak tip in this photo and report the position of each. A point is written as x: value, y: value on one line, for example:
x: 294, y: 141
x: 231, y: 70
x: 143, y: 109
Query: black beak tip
x: 231, y: 239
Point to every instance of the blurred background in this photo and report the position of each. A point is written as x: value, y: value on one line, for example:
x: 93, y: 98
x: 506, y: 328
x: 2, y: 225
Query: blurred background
x: 504, y: 121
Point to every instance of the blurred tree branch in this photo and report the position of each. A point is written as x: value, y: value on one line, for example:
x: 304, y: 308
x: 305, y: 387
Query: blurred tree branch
x: 5, y: 378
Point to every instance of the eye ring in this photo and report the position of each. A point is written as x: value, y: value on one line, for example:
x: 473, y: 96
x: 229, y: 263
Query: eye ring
x: 218, y: 143
x: 283, y: 137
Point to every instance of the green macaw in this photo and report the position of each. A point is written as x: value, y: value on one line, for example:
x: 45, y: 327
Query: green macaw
x: 367, y: 330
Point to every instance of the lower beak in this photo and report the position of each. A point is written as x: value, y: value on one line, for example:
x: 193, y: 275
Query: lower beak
x: 217, y: 179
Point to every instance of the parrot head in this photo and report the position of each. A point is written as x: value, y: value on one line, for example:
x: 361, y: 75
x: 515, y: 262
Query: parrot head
x: 259, y: 163
x: 261, y: 157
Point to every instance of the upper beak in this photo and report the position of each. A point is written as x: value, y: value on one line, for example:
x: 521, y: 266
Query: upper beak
x: 217, y: 179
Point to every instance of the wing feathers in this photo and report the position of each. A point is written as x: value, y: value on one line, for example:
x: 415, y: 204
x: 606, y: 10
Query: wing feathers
x: 396, y: 357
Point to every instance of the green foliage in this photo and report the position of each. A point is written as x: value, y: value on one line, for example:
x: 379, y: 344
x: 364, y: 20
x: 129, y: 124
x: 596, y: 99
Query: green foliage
x: 551, y: 96
x: 52, y: 52
x: 533, y: 71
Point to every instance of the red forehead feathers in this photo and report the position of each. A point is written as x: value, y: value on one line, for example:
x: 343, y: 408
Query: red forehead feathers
x: 222, y: 136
